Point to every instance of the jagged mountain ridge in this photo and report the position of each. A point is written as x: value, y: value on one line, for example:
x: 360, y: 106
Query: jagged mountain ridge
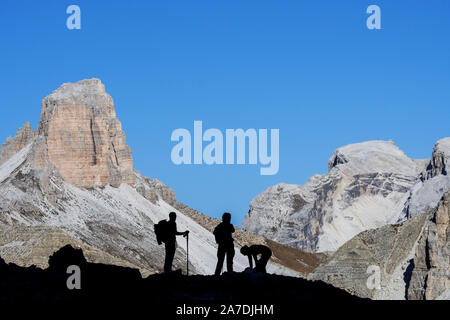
x: 368, y: 185
x: 72, y: 182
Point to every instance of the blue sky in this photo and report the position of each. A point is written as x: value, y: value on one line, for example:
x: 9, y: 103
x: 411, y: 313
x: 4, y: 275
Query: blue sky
x: 309, y: 68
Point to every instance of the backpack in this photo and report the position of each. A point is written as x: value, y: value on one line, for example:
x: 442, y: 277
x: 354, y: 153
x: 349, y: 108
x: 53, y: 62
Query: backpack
x: 161, y: 231
x: 218, y: 233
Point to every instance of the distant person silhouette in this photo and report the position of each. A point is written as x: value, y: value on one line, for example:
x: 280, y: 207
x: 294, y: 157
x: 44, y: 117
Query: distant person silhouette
x: 224, y: 238
x: 253, y: 252
x: 170, y: 233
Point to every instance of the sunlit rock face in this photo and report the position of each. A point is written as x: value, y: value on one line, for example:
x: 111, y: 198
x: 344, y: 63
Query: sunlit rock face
x: 82, y: 137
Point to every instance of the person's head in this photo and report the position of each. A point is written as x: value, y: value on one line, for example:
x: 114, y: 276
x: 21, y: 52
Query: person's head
x: 226, y: 217
x: 244, y: 250
x: 172, y: 216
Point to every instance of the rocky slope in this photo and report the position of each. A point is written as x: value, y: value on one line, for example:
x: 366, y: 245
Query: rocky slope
x: 413, y: 258
x: 368, y: 185
x: 72, y: 182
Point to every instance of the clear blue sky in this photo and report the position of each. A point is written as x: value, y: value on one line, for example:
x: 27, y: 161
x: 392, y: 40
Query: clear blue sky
x: 310, y: 68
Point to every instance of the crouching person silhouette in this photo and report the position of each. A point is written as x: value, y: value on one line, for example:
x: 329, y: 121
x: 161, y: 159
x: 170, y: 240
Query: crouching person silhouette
x: 166, y: 232
x: 224, y: 238
x: 253, y: 252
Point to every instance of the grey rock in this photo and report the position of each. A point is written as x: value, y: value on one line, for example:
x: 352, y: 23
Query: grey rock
x: 413, y: 258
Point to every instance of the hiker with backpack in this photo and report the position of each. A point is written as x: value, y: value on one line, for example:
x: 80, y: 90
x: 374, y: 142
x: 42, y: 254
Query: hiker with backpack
x: 224, y: 238
x: 253, y: 252
x: 166, y: 232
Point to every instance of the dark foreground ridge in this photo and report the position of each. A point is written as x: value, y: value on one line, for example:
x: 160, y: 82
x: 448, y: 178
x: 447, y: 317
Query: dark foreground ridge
x: 107, y: 283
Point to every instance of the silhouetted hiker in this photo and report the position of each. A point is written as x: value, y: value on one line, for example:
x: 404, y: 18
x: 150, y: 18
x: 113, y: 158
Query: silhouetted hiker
x: 224, y: 238
x: 166, y: 231
x: 253, y: 252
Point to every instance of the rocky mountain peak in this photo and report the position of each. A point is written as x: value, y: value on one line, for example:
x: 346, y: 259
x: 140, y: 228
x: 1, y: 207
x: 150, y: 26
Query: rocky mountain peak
x: 372, y: 156
x: 369, y: 185
x: 82, y: 137
x: 66, y: 90
x: 12, y: 145
x: 440, y: 163
x: 89, y: 94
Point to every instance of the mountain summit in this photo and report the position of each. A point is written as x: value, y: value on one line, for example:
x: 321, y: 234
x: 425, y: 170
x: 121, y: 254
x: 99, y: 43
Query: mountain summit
x: 369, y: 185
x: 82, y: 137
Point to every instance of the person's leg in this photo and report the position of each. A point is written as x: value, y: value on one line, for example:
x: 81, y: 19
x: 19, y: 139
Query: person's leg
x: 170, y: 254
x: 258, y: 267
x: 230, y: 257
x: 220, y: 259
x: 263, y: 262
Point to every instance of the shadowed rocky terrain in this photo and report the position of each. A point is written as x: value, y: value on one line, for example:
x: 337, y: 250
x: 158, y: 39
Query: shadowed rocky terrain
x: 115, y: 284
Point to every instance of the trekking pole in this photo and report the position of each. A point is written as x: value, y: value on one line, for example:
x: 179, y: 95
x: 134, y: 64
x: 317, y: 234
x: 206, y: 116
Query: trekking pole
x: 187, y: 254
x: 221, y: 269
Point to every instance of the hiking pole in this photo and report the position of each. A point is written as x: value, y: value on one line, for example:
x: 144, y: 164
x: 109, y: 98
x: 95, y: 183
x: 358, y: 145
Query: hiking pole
x: 187, y: 254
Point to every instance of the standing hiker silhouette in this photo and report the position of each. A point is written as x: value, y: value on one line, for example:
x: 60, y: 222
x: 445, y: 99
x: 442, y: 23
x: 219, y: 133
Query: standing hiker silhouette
x: 166, y: 231
x: 253, y: 252
x: 224, y: 238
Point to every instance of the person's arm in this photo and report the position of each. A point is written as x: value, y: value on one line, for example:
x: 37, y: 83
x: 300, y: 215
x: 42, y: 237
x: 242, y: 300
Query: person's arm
x: 250, y: 261
x: 181, y: 233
